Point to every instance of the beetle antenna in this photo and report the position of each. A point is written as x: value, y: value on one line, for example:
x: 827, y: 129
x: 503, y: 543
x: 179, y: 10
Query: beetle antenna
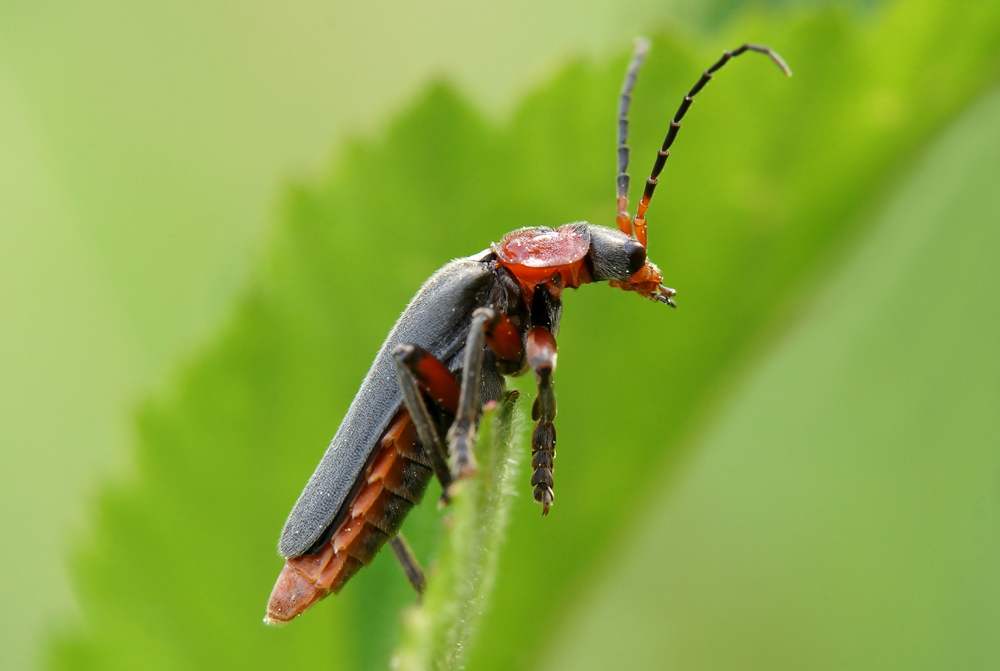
x: 639, y: 222
x: 638, y: 56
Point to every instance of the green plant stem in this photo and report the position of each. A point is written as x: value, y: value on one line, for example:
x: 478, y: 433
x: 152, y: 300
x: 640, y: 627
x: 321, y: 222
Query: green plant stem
x: 437, y: 633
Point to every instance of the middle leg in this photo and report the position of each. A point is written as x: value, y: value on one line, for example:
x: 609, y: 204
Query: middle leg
x: 416, y: 366
x: 493, y: 329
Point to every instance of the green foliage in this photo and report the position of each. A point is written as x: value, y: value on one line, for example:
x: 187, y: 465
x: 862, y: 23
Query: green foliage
x: 764, y: 182
x: 849, y: 494
x: 438, y: 633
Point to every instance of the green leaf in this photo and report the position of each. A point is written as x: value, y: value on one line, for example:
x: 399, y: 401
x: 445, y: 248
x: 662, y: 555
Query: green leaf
x: 843, y: 512
x: 437, y: 634
x: 763, y: 185
x: 767, y: 182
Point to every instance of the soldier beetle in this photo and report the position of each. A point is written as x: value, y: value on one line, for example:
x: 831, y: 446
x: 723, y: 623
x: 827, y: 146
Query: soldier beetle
x: 474, y: 321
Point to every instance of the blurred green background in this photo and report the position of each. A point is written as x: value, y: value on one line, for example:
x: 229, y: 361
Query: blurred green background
x: 800, y: 468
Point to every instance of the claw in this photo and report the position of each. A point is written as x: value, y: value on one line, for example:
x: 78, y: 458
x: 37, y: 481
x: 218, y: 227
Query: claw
x: 463, y: 460
x: 445, y: 499
x: 664, y: 298
x: 465, y: 468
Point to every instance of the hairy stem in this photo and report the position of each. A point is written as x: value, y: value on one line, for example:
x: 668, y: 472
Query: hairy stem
x: 437, y: 633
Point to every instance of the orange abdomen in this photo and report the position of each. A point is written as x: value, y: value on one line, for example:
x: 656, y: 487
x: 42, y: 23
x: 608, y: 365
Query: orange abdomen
x: 393, y: 483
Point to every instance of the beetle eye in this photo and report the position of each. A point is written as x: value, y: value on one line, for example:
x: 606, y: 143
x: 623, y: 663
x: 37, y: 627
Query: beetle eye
x: 636, y: 254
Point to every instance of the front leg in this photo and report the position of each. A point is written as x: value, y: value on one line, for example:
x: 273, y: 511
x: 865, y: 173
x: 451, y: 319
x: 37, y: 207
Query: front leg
x: 415, y: 365
x: 542, y: 359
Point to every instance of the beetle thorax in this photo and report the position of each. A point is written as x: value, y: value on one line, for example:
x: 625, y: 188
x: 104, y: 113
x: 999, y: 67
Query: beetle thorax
x: 551, y: 256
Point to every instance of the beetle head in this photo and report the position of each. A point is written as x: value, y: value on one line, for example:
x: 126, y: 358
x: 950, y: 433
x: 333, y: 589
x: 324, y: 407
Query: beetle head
x: 622, y: 260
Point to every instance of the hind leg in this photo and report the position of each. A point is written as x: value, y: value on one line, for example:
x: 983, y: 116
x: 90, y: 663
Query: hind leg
x: 408, y: 561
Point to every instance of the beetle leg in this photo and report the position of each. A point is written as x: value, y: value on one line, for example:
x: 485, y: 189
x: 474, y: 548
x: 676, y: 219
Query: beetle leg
x: 432, y: 376
x: 407, y: 356
x: 411, y: 567
x: 505, y: 341
x: 542, y: 359
x: 462, y: 433
x: 416, y: 365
